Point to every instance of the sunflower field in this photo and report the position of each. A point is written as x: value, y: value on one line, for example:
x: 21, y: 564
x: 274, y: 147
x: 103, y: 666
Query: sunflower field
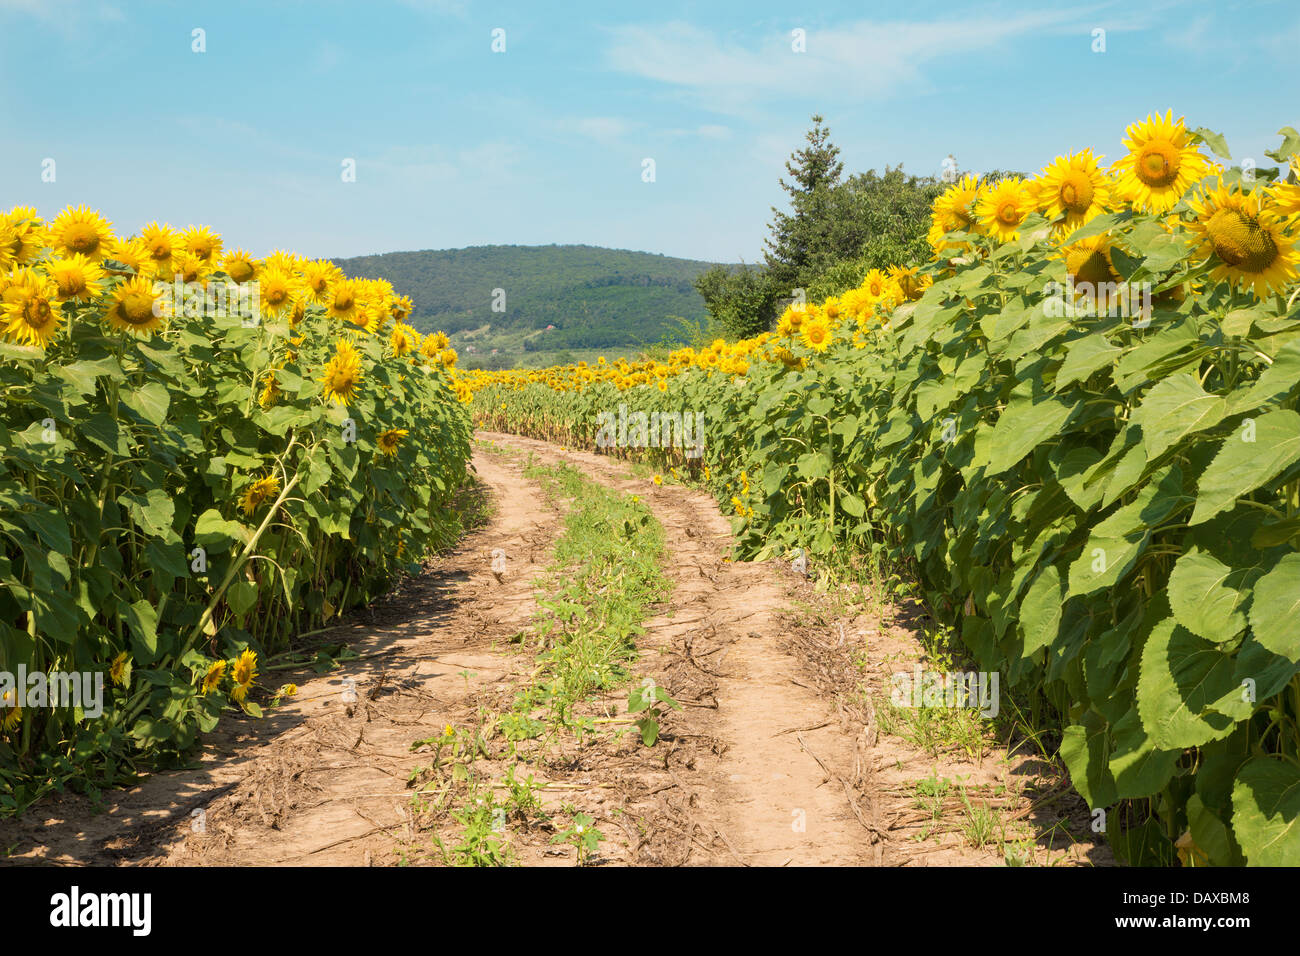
x: 204, y: 454
x: 1076, y: 427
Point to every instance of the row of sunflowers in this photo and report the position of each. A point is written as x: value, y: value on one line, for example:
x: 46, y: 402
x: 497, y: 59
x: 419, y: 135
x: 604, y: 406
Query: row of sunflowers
x: 1076, y: 429
x: 204, y: 453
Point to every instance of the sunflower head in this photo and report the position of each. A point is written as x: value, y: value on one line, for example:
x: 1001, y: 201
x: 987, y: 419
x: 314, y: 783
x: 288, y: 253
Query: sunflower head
x: 202, y: 243
x: 30, y: 311
x: 1072, y: 189
x: 1244, y: 240
x: 76, y: 277
x: 1003, y: 208
x: 343, y: 373
x: 817, y: 335
x: 258, y: 493
x: 137, y: 307
x: 82, y: 231
x: 1161, y: 165
x: 390, y: 439
x: 239, y: 265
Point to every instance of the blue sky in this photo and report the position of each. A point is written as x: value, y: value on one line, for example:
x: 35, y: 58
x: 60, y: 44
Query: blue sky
x: 456, y: 145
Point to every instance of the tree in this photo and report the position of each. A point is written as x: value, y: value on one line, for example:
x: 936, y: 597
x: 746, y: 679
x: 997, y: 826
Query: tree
x: 801, y: 237
x: 742, y: 301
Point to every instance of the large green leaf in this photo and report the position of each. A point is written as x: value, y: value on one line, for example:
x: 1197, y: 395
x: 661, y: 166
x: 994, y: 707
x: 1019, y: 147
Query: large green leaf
x: 1175, y: 408
x: 1257, y: 452
x: 1265, y: 812
x: 1208, y: 597
x: 1023, y: 426
x: 1275, y: 609
x: 1181, y: 676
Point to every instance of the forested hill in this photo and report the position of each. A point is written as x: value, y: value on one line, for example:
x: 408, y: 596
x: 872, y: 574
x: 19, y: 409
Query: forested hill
x: 594, y: 297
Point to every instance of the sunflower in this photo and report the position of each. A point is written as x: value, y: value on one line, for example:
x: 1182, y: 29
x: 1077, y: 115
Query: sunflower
x: 136, y: 307
x: 317, y: 276
x: 401, y: 307
x: 270, y: 392
x: 82, y: 230
x: 1073, y: 189
x: 32, y: 313
x: 909, y: 281
x: 76, y: 277
x: 161, y: 242
x: 212, y: 679
x: 1245, y: 241
x: 188, y: 266
x: 1161, y: 165
x: 657, y: 479
x: 13, y: 711
x: 258, y: 493
x: 119, y: 671
x: 447, y: 358
x: 203, y: 243
x: 790, y: 320
x: 25, y: 237
x: 242, y: 674
x: 1286, y: 196
x: 1003, y: 208
x: 817, y: 335
x: 275, y: 291
x: 239, y: 265
x: 131, y: 254
x: 344, y: 301
x: 954, y: 211
x: 343, y: 373
x: 389, y: 440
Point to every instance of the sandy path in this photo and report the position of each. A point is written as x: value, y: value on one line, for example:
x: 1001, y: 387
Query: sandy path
x: 733, y: 780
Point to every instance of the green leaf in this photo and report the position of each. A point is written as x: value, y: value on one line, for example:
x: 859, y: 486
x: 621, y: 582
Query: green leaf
x: 1214, y: 140
x: 149, y: 401
x: 241, y: 596
x: 1181, y: 676
x: 1174, y: 408
x: 1265, y: 808
x: 142, y: 619
x: 1252, y: 456
x: 1208, y: 597
x: 1023, y: 426
x: 1040, y: 611
x: 1290, y: 145
x: 1275, y: 609
x: 1084, y: 748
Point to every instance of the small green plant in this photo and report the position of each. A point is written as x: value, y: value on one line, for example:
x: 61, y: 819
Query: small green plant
x: 582, y: 835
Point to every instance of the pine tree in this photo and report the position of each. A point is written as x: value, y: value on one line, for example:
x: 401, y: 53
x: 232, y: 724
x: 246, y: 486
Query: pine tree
x: 798, y: 237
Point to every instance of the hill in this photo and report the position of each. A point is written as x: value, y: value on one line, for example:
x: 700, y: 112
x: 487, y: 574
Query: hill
x: 595, y: 298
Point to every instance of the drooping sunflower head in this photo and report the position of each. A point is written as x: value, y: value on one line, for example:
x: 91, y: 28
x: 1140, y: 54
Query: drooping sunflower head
x: 448, y: 358
x: 243, y: 672
x: 212, y: 678
x: 10, y: 709
x: 119, y: 671
x: 137, y: 307
x: 24, y: 235
x: 954, y: 211
x: 1161, y: 165
x: 189, y: 267
x: 202, y: 242
x: 82, y: 231
x: 128, y: 257
x: 76, y: 277
x: 910, y: 282
x: 1073, y: 189
x: 1003, y: 208
x: 239, y: 265
x: 343, y: 373
x: 258, y: 493
x: 390, y: 439
x: 403, y: 339
x: 31, y: 313
x: 1089, y: 265
x: 400, y: 308
x: 1245, y: 241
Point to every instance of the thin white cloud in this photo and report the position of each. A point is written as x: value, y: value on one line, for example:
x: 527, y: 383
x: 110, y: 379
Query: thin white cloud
x: 602, y: 129
x: 863, y: 60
